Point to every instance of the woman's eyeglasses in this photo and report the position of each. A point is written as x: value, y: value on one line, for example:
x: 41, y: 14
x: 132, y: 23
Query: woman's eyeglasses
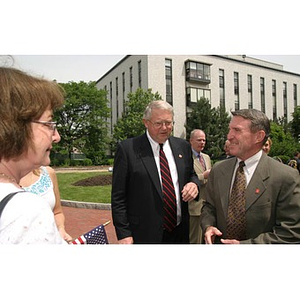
x: 50, y: 125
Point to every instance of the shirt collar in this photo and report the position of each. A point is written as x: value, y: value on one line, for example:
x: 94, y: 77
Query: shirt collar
x: 251, y: 161
x: 197, y: 154
x: 155, y: 145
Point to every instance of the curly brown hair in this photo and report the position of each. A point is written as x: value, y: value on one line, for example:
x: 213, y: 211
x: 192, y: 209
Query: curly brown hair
x: 23, y: 98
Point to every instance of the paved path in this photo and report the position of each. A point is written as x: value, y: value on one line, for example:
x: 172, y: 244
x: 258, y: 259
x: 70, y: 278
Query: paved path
x: 81, y: 220
x: 81, y: 217
x: 82, y: 169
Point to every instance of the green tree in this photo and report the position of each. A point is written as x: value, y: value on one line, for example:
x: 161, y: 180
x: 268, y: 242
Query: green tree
x: 82, y: 121
x: 213, y: 121
x: 131, y: 124
x: 295, y: 124
x: 283, y: 144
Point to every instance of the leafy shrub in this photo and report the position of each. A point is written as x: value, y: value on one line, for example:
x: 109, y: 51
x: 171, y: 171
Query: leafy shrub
x: 110, y: 161
x: 87, y: 162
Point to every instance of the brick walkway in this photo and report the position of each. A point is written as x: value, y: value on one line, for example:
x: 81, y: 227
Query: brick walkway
x: 81, y: 220
x: 82, y: 217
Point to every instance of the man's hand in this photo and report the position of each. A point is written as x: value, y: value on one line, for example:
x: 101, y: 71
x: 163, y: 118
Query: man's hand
x: 206, y: 173
x: 227, y: 241
x: 210, y: 234
x: 127, y: 240
x: 189, y: 191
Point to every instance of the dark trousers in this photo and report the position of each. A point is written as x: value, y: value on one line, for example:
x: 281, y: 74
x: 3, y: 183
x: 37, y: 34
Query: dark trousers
x: 174, y: 237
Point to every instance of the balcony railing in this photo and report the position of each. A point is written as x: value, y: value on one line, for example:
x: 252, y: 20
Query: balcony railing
x: 197, y: 76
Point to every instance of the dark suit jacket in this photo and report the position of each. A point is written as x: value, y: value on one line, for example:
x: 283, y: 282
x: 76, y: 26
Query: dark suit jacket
x: 137, y: 205
x: 272, y: 201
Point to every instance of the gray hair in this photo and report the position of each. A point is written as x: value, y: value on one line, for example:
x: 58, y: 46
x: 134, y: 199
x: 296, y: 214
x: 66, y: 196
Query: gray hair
x: 157, y: 104
x: 193, y: 132
x: 259, y: 121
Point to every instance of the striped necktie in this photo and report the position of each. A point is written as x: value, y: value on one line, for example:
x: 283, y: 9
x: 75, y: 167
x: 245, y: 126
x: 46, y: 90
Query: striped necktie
x: 169, y: 196
x: 236, y: 218
x: 202, y: 162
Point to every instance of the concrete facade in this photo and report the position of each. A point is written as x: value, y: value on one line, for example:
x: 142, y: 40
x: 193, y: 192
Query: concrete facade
x: 149, y: 71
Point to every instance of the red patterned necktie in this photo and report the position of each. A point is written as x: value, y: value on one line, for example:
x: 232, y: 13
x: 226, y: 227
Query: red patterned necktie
x: 169, y: 196
x: 236, y: 218
x: 202, y: 162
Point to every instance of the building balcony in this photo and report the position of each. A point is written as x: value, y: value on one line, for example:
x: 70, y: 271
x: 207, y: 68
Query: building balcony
x: 198, y: 78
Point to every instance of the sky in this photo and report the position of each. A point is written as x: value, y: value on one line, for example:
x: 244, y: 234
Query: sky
x: 65, y: 68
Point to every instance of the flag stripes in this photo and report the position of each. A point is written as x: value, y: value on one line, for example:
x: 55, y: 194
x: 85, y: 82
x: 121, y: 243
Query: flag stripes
x: 95, y: 236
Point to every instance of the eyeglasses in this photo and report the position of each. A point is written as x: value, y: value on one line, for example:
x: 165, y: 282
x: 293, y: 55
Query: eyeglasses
x: 158, y: 125
x: 50, y: 125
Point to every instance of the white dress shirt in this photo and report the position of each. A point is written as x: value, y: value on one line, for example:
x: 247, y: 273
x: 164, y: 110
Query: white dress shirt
x: 249, y: 168
x: 168, y: 152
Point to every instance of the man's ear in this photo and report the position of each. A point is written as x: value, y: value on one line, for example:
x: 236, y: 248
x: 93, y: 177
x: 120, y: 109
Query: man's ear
x: 260, y: 135
x: 145, y: 123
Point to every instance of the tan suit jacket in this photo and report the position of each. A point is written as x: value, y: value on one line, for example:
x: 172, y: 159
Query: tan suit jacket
x: 196, y: 206
x: 272, y: 202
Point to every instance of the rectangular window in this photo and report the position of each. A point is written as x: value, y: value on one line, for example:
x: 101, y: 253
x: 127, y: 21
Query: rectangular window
x: 130, y: 79
x: 250, y: 92
x: 206, y: 95
x: 169, y: 88
x: 105, y: 89
x: 236, y: 91
x: 274, y: 100
x: 111, y: 105
x: 195, y: 94
x: 140, y: 73
x: 194, y: 97
x: 222, y: 87
x: 117, y: 97
x: 295, y: 96
x: 262, y: 95
x: 123, y: 89
x: 110, y: 92
x: 196, y: 71
x: 284, y: 99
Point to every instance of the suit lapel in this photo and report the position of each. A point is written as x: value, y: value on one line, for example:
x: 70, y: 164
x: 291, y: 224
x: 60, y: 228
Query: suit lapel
x: 256, y: 186
x: 146, y: 155
x: 226, y: 174
x: 179, y: 161
x: 258, y: 183
x: 197, y: 166
x: 207, y: 162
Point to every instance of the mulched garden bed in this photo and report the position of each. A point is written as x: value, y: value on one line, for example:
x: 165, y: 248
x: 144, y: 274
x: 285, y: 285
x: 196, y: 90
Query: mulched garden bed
x: 95, y: 181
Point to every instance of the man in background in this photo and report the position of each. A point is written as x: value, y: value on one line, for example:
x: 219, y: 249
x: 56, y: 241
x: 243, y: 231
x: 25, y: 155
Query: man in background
x: 267, y: 146
x: 202, y: 166
x: 226, y: 149
x: 295, y: 162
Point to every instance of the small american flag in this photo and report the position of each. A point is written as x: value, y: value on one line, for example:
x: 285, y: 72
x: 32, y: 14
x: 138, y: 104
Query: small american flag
x: 95, y: 236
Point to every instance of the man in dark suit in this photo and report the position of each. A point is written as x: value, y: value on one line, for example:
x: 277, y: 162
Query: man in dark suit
x: 138, y: 208
x: 271, y: 191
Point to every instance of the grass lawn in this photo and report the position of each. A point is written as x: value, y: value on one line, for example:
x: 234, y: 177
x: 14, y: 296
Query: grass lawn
x: 98, y: 194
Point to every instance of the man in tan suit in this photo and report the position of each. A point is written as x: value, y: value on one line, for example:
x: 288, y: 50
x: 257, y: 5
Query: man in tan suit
x: 202, y: 166
x: 270, y: 208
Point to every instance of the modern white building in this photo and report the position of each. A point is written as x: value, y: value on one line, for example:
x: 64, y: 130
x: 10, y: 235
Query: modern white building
x: 236, y: 81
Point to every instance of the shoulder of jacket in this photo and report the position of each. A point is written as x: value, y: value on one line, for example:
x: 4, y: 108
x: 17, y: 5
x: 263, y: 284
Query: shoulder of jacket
x: 206, y: 155
x: 174, y: 139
